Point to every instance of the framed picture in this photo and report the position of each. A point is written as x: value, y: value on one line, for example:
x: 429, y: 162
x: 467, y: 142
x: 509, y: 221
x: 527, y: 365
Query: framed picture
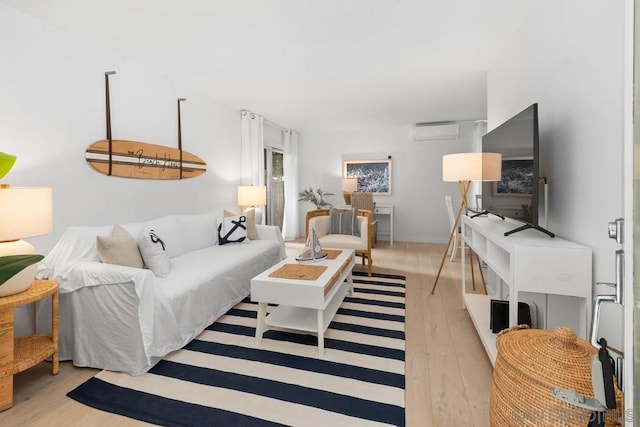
x: 517, y: 177
x: 374, y: 176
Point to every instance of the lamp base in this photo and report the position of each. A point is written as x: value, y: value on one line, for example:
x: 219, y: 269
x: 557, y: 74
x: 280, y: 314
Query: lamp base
x: 347, y: 197
x: 21, y: 281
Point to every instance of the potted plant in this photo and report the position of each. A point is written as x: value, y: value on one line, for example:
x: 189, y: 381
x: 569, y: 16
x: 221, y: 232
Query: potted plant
x: 315, y: 196
x: 10, y: 266
x: 13, y: 274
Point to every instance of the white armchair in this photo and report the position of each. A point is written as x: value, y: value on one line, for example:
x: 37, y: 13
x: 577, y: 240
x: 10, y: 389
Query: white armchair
x: 321, y: 221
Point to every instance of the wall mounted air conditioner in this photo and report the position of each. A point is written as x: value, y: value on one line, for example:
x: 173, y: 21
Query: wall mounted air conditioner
x: 431, y: 132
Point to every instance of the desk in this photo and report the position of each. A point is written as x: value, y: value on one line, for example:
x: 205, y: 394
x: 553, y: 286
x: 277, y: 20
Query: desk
x: 386, y: 209
x: 19, y: 354
x: 380, y: 209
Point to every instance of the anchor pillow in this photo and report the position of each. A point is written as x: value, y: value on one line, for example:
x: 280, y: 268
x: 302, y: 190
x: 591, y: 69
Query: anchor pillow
x: 154, y: 252
x: 233, y: 229
x: 252, y: 232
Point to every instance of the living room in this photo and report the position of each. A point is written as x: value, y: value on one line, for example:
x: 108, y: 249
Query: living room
x: 570, y: 57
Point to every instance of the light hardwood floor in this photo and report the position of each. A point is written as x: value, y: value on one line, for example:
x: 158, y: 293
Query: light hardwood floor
x: 448, y: 374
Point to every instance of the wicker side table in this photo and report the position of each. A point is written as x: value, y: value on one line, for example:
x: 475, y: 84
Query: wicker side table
x: 19, y: 354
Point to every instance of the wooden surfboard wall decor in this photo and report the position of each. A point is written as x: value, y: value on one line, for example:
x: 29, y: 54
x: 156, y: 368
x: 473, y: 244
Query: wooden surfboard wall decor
x: 142, y: 160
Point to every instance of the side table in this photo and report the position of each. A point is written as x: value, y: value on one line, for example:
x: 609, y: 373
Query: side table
x: 19, y: 354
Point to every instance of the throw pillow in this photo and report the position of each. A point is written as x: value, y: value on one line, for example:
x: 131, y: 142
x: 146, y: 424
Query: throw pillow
x: 120, y: 249
x: 232, y: 229
x: 252, y: 232
x: 154, y: 252
x: 344, y: 221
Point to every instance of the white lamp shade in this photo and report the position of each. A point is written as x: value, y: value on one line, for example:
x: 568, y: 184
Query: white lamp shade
x: 252, y: 195
x: 350, y: 184
x: 472, y: 167
x: 25, y: 212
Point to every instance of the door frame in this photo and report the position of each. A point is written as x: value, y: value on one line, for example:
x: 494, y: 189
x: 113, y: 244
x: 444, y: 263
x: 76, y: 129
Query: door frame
x: 628, y: 203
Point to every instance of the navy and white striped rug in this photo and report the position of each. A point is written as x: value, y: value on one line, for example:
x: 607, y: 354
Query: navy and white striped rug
x: 222, y: 379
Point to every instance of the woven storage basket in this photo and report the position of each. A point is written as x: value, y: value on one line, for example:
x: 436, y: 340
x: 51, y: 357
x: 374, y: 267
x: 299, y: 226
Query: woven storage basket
x: 529, y: 364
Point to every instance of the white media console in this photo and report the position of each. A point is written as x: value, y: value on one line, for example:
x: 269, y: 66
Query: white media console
x: 528, y: 261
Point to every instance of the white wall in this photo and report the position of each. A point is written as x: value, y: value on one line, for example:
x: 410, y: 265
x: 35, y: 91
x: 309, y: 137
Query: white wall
x: 568, y: 57
x: 52, y: 108
x: 417, y: 187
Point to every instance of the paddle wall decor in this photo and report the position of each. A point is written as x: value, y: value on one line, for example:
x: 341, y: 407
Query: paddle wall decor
x: 142, y: 160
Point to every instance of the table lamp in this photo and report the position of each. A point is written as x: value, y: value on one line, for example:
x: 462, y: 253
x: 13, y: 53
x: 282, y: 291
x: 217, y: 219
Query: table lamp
x: 24, y: 212
x: 464, y: 168
x: 349, y: 185
x: 252, y: 195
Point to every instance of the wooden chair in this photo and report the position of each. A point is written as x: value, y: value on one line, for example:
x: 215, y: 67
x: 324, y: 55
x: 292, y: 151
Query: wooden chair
x: 364, y: 200
x: 320, y: 220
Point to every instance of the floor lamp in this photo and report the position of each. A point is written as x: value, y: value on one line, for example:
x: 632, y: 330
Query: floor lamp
x: 464, y: 168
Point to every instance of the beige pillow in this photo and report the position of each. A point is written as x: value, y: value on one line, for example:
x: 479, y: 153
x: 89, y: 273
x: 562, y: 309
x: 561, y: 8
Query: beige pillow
x: 120, y: 248
x: 252, y: 232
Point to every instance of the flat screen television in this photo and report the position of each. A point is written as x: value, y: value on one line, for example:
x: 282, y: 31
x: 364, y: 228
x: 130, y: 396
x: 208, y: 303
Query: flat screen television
x: 517, y: 194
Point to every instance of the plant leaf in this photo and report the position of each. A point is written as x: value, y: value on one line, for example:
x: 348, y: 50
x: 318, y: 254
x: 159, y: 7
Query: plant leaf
x: 6, y: 163
x: 13, y: 264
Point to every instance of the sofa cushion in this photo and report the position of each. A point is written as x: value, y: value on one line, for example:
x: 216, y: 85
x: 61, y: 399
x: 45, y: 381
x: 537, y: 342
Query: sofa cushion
x: 232, y: 229
x: 344, y: 221
x: 197, y: 231
x: 120, y: 248
x: 154, y: 252
x: 341, y: 241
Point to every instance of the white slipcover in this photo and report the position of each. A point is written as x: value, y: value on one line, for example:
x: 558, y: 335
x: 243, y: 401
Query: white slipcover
x: 126, y: 319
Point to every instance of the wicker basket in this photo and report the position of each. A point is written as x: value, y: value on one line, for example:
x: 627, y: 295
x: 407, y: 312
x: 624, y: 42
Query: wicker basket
x: 530, y: 363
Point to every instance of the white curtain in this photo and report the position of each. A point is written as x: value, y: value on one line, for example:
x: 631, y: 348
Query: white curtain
x: 290, y: 165
x: 252, y: 149
x: 479, y: 129
x: 253, y: 154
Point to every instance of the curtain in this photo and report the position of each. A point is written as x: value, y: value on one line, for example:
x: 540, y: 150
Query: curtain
x: 479, y: 129
x: 253, y: 154
x: 252, y: 149
x: 290, y: 165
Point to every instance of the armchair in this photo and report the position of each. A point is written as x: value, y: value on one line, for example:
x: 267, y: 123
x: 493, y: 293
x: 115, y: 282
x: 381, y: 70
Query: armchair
x: 320, y: 220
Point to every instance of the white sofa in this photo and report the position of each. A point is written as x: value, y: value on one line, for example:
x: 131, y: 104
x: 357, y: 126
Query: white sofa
x: 126, y: 319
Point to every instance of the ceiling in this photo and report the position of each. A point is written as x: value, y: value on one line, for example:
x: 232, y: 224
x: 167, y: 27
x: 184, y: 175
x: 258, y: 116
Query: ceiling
x: 305, y: 64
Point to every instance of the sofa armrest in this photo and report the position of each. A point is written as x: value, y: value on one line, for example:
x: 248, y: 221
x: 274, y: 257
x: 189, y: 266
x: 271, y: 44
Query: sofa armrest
x: 272, y: 232
x: 269, y: 232
x: 92, y: 273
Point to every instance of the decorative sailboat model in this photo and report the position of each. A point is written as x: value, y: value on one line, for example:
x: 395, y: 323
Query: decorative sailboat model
x: 313, y: 250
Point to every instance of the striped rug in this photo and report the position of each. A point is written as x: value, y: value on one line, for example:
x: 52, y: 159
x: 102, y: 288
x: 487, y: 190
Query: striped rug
x: 222, y: 379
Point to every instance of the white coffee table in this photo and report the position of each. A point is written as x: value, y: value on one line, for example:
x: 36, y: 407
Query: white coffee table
x: 303, y: 304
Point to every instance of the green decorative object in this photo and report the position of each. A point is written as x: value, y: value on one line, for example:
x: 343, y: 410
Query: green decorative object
x: 6, y: 163
x: 14, y: 264
x: 317, y: 197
